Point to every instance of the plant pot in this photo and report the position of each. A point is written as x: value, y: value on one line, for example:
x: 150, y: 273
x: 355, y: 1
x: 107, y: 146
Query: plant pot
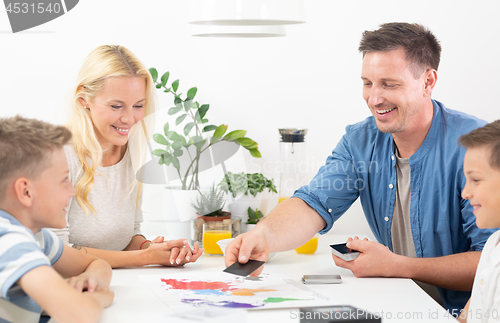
x: 249, y: 227
x: 178, y: 230
x: 177, y: 204
x: 226, y: 216
x: 177, y: 211
x: 239, y: 206
x: 170, y: 229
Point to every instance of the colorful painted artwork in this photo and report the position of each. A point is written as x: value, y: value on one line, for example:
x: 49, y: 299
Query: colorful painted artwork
x: 181, y: 291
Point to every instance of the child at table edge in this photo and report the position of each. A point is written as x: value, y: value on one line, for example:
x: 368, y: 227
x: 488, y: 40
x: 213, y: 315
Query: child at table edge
x: 34, y: 194
x: 482, y: 189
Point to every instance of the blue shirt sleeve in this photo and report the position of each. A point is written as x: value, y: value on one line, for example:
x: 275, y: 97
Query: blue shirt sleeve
x: 335, y: 187
x: 21, y: 255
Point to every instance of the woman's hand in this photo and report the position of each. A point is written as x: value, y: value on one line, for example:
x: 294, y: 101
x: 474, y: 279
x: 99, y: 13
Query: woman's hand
x: 172, y: 252
x: 181, y: 256
x: 158, y: 239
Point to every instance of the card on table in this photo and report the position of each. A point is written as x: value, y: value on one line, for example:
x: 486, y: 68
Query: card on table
x: 244, y: 269
x: 321, y: 279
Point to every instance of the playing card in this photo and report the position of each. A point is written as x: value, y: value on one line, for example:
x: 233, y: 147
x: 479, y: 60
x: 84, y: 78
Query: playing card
x: 244, y: 269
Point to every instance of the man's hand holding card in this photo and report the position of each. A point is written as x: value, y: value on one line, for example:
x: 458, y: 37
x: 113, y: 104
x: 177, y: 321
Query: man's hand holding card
x: 246, y: 246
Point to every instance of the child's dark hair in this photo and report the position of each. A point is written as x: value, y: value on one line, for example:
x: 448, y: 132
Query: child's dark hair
x: 487, y: 136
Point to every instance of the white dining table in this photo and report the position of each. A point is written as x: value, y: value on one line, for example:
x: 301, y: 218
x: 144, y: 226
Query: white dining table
x: 393, y: 299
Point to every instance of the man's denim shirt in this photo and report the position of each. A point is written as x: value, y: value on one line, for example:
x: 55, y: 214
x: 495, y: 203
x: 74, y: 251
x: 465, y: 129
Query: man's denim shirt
x: 363, y: 164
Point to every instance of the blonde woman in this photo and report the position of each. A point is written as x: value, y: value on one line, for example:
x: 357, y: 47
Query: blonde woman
x: 114, y: 93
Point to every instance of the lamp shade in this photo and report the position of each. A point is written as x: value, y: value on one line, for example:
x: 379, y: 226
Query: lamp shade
x: 246, y: 12
x: 238, y: 31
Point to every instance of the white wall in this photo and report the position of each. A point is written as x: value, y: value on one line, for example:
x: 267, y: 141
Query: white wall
x: 309, y: 79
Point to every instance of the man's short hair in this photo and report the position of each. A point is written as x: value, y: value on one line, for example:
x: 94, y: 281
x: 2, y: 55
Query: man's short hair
x: 487, y: 136
x: 26, y: 146
x: 422, y: 49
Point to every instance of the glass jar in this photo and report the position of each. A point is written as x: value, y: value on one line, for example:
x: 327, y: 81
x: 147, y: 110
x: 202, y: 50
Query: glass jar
x: 197, y: 228
x: 293, y: 172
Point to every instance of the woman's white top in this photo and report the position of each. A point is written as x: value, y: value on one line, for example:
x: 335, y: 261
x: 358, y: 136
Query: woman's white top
x: 485, y: 300
x: 117, y: 219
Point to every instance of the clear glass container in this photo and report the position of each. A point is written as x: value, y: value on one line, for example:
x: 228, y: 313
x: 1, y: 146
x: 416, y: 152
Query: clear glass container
x: 294, y: 170
x: 212, y: 232
x: 197, y: 228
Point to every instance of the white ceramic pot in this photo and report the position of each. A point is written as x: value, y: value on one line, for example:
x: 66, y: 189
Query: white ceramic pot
x: 177, y: 204
x: 177, y: 211
x: 249, y: 227
x: 178, y: 230
x: 239, y: 205
x: 170, y: 229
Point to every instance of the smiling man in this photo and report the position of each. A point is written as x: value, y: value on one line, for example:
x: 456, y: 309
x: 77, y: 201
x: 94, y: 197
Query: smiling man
x: 406, y: 167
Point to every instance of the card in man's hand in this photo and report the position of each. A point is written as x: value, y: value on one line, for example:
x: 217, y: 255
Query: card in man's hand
x: 244, y: 269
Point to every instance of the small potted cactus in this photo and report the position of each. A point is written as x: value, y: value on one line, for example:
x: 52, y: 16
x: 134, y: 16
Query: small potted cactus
x: 210, y: 206
x: 209, y: 209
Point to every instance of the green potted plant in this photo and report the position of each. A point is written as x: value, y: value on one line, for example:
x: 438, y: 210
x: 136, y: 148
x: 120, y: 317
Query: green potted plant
x: 185, y: 142
x: 246, y: 184
x: 254, y: 216
x: 183, y: 152
x: 247, y: 190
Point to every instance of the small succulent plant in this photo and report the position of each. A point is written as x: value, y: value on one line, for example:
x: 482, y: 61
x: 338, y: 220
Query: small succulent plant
x: 211, y: 203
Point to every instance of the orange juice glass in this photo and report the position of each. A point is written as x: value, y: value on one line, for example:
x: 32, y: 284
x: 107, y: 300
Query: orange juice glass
x: 309, y: 247
x: 213, y: 232
x: 282, y: 198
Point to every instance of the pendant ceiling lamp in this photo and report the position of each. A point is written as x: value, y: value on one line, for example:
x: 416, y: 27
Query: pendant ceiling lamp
x: 244, y: 18
x: 238, y: 31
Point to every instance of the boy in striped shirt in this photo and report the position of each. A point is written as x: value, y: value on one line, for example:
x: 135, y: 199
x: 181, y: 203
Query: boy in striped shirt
x: 36, y: 270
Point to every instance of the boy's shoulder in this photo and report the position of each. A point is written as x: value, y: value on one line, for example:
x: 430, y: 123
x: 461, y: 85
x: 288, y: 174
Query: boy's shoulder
x: 10, y: 225
x: 20, y: 252
x: 17, y: 240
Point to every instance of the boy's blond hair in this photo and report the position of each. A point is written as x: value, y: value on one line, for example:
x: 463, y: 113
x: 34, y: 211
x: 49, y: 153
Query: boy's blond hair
x: 25, y: 147
x: 487, y: 136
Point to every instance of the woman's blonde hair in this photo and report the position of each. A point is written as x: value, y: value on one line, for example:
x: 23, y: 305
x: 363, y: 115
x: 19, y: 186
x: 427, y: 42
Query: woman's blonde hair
x: 104, y: 62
